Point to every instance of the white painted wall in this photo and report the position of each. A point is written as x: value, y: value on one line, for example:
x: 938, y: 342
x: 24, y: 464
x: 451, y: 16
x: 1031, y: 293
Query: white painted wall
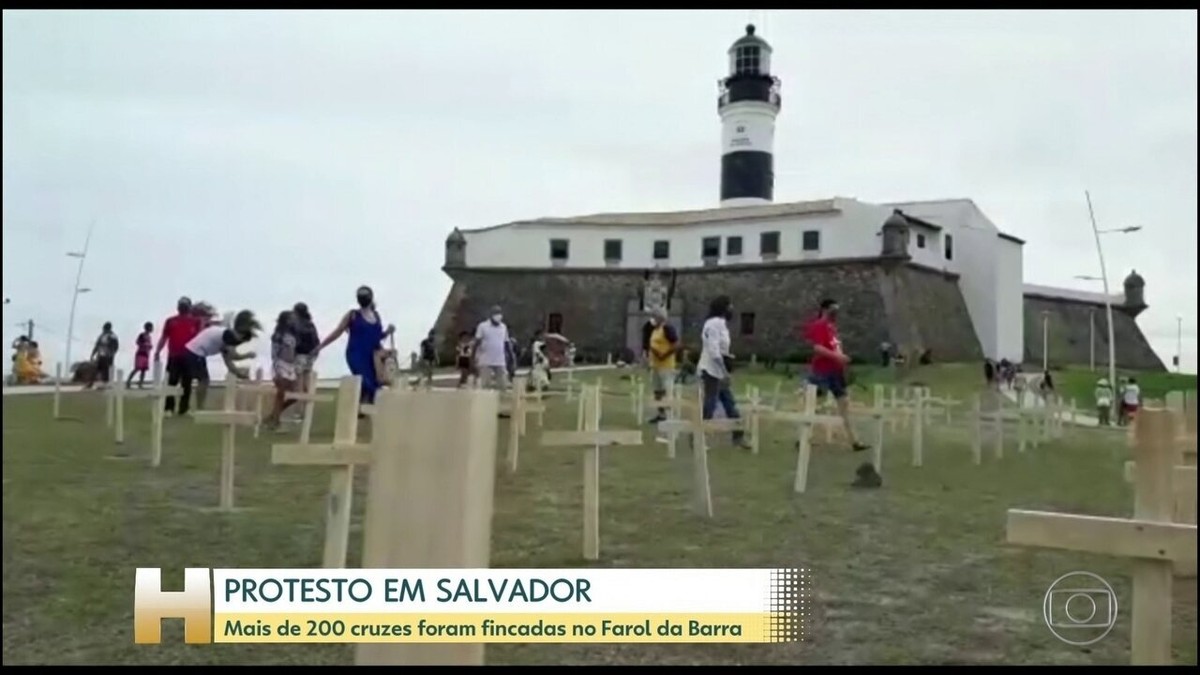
x: 1010, y: 300
x: 978, y: 284
x: 990, y: 269
x: 851, y: 233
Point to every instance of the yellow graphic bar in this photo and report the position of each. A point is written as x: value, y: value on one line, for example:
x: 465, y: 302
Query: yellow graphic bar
x: 504, y: 627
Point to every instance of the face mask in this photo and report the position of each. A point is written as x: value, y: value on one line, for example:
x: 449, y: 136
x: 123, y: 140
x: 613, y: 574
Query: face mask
x: 832, y: 315
x: 364, y: 301
x: 497, y: 317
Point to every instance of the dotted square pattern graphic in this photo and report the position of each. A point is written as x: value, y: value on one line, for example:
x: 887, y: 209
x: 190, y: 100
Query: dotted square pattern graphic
x: 788, y: 604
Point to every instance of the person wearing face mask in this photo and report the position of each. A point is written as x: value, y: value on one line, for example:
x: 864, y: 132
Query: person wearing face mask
x: 491, y: 351
x: 828, y: 368
x: 366, y: 334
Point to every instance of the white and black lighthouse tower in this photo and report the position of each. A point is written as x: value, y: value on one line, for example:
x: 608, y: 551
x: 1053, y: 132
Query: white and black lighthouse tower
x: 749, y: 102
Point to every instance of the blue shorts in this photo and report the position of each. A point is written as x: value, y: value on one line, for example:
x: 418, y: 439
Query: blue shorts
x: 833, y: 383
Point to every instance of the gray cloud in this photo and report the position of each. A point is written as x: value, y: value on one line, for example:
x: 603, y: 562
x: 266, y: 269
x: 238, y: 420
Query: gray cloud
x: 256, y: 158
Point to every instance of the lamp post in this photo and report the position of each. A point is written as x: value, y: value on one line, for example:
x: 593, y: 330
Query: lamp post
x: 1179, y: 343
x: 82, y: 256
x: 1045, y: 341
x: 1112, y: 348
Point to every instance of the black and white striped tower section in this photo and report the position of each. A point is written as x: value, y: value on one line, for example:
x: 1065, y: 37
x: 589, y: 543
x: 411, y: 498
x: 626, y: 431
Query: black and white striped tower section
x: 749, y: 102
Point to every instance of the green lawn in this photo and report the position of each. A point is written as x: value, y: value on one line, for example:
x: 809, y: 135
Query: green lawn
x: 914, y: 573
x: 1080, y: 384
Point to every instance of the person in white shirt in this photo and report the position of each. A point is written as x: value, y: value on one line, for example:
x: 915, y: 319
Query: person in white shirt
x: 1104, y: 398
x: 716, y: 362
x: 491, y: 351
x: 222, y: 339
x: 539, y: 370
x: 1131, y: 400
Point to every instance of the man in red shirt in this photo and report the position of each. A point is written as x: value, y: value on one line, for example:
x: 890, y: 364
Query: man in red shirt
x: 828, y: 368
x: 177, y: 331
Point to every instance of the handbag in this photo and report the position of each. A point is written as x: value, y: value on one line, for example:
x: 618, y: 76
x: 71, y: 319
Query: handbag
x: 387, y: 367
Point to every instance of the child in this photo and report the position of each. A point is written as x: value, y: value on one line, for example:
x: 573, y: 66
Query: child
x: 283, y: 364
x: 463, y: 358
x: 1104, y: 397
x: 141, y: 358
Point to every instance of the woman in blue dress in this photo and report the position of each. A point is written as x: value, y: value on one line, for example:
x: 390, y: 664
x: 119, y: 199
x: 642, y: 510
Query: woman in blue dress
x: 366, y: 332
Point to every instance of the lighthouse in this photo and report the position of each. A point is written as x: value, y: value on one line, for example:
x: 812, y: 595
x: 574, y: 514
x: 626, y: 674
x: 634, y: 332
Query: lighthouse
x: 748, y: 104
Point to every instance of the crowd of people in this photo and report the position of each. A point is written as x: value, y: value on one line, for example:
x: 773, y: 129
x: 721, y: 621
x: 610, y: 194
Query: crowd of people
x: 487, y: 357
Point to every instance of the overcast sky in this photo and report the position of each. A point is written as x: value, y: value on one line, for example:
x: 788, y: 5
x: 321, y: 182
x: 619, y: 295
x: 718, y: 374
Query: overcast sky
x: 253, y: 159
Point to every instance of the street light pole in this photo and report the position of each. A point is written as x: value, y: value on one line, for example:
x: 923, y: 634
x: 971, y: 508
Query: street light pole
x: 1092, y: 340
x: 75, y: 293
x: 1112, y: 347
x: 1045, y: 342
x: 1179, y: 344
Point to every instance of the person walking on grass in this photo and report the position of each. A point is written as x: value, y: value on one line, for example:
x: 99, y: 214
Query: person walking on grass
x: 428, y: 359
x: 716, y: 364
x: 491, y: 351
x: 141, y: 358
x: 1104, y: 399
x: 102, y: 354
x: 284, y: 369
x: 828, y: 368
x: 366, y: 331
x: 661, y: 346
x: 178, y: 330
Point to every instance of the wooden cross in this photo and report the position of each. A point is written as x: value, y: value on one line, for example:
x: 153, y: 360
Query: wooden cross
x: 754, y: 409
x: 1150, y: 538
x: 591, y: 437
x: 257, y: 392
x: 117, y: 406
x: 805, y: 420
x: 673, y: 404
x: 519, y: 408
x: 637, y: 399
x: 156, y: 394
x: 698, y: 427
x: 430, y: 500
x: 310, y: 398
x: 231, y: 418
x: 341, y: 456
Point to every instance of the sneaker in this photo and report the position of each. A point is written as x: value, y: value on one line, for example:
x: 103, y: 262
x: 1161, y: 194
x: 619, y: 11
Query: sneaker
x: 656, y: 419
x: 868, y: 477
x: 859, y: 447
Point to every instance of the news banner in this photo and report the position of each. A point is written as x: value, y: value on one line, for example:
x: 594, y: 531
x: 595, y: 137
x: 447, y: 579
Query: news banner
x: 478, y: 606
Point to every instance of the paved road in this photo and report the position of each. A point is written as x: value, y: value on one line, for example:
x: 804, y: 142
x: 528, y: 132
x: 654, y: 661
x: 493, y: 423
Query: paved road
x: 442, y: 380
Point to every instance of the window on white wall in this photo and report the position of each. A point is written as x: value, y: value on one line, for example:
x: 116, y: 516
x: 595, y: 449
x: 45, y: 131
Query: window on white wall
x: 710, y: 247
x: 920, y: 241
x: 560, y: 250
x: 768, y: 243
x: 612, y: 250
x: 733, y: 246
x: 662, y: 249
x: 810, y: 240
x: 949, y: 247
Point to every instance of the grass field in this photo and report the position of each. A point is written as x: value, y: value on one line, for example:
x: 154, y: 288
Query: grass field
x: 913, y: 573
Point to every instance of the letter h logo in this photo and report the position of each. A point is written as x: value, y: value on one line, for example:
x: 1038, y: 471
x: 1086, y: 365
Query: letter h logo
x: 151, y: 605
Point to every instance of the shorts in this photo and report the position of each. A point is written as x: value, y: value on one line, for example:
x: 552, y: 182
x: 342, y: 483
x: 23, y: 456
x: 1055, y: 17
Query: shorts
x: 833, y: 383
x: 1129, y: 407
x: 464, y: 363
x: 284, y: 371
x: 303, y: 365
x: 661, y: 379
